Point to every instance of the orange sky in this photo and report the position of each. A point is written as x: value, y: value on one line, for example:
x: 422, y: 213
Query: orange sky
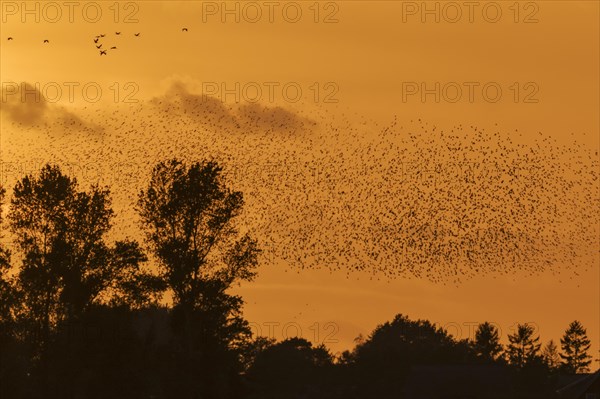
x: 366, y: 61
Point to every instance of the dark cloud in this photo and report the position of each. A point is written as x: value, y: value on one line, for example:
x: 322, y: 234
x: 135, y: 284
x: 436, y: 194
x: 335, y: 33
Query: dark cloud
x: 26, y: 105
x: 212, y: 113
x: 23, y: 103
x: 278, y: 119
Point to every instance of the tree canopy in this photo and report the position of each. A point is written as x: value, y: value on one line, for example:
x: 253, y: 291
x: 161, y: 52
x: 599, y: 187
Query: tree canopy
x: 575, y: 345
x: 524, y: 346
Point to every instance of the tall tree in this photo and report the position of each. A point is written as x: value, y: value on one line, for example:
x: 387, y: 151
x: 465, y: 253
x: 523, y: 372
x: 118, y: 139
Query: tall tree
x: 551, y: 356
x: 67, y: 266
x: 486, y: 344
x: 37, y: 217
x: 575, y: 346
x: 8, y: 292
x: 189, y: 218
x: 524, y: 347
x: 12, y: 352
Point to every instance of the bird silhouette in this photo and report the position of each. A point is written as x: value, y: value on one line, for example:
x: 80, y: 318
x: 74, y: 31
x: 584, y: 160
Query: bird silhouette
x: 46, y: 41
x: 10, y: 38
x: 102, y: 52
x: 117, y: 33
x: 184, y: 29
x: 98, y: 46
x: 96, y: 40
x: 113, y: 48
x: 136, y: 34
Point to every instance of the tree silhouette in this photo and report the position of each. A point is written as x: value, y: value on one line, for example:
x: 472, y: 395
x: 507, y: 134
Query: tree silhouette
x: 410, y: 341
x: 551, y: 356
x: 381, y: 362
x: 291, y: 368
x: 575, y: 346
x: 66, y: 264
x: 12, y: 352
x: 254, y: 347
x: 487, y: 345
x: 523, y: 348
x: 8, y: 299
x: 129, y: 285
x: 189, y: 220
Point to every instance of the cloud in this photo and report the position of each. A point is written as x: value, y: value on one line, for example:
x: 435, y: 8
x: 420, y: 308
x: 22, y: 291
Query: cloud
x: 278, y: 119
x: 212, y: 113
x: 25, y: 104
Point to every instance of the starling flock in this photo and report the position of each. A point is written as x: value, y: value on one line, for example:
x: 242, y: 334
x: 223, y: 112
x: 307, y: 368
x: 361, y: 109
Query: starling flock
x: 323, y: 190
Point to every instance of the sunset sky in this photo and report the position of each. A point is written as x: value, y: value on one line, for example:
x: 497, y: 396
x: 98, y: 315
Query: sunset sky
x: 359, y: 65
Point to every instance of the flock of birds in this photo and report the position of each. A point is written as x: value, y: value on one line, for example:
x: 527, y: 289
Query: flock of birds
x: 325, y: 190
x: 99, y: 46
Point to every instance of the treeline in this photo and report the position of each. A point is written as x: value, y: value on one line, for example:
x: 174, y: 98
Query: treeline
x: 83, y: 317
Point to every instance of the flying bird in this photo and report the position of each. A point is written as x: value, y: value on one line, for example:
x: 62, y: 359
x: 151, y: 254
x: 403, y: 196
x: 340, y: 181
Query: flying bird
x: 96, y: 40
x: 99, y: 45
x: 184, y: 29
x: 113, y: 48
x: 136, y: 34
x: 46, y: 41
x: 102, y: 52
x: 117, y: 33
x: 10, y: 38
